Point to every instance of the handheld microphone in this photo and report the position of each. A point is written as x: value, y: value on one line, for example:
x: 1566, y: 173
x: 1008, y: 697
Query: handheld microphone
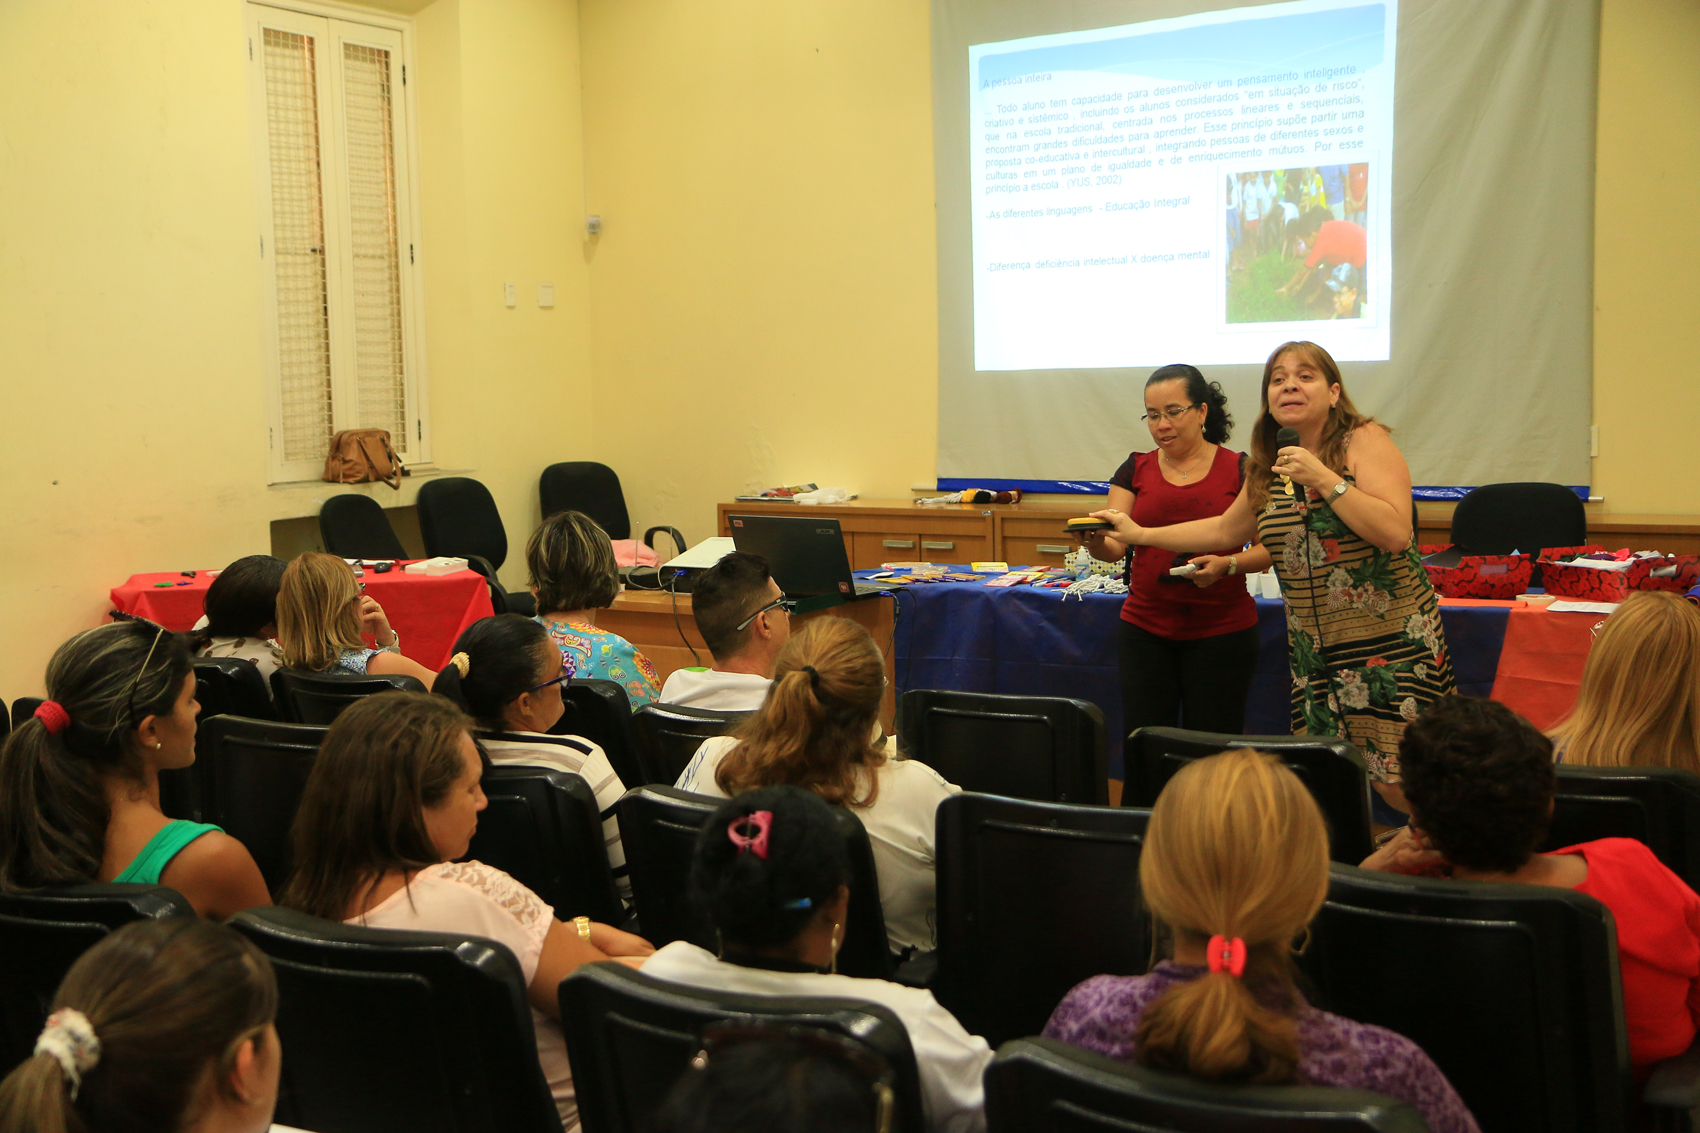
x: 1287, y: 438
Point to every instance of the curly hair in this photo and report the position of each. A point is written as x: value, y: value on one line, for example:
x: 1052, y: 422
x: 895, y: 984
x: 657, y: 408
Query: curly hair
x: 1480, y: 782
x: 1218, y: 422
x: 758, y: 902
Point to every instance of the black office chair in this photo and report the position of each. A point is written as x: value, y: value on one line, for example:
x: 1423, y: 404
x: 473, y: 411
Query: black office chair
x: 668, y: 737
x: 659, y: 827
x: 400, y: 1030
x: 543, y: 829
x: 354, y: 526
x: 1073, y: 869
x: 24, y: 708
x: 594, y: 489
x: 1656, y: 805
x: 1513, y: 990
x: 251, y: 774
x: 1035, y: 1084
x: 232, y: 686
x: 458, y: 517
x: 630, y: 1037
x: 600, y: 711
x: 1047, y: 748
x: 41, y: 936
x: 1331, y: 769
x: 1496, y: 519
x: 319, y: 698
x: 5, y: 721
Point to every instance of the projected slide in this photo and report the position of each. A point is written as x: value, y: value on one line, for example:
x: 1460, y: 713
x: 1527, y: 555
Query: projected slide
x: 1195, y: 189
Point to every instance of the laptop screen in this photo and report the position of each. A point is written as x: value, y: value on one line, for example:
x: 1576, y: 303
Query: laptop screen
x: 804, y: 554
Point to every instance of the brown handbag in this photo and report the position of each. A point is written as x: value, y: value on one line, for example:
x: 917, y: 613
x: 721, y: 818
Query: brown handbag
x: 363, y: 456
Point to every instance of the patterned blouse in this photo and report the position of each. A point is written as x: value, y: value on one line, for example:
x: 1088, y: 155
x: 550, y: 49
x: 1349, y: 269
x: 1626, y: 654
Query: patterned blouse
x: 594, y: 654
x: 1102, y: 1014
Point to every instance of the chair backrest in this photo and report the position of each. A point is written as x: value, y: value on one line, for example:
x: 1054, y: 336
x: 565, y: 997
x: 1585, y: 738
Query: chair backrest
x: 1043, y: 1084
x: 5, y: 721
x: 1331, y: 769
x: 424, y: 1031
x: 232, y: 686
x: 668, y: 737
x: 659, y: 827
x: 354, y: 526
x: 1047, y: 748
x: 1656, y: 805
x: 41, y: 936
x: 319, y: 698
x: 1073, y: 869
x: 251, y: 775
x: 1496, y: 519
x: 585, y: 485
x: 542, y: 828
x: 458, y: 516
x: 23, y: 708
x: 1513, y: 990
x: 601, y: 712
x: 630, y: 1037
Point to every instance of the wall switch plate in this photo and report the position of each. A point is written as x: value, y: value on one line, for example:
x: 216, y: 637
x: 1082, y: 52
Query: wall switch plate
x: 508, y: 295
x: 545, y: 294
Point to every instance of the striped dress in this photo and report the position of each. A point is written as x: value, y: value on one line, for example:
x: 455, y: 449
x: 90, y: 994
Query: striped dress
x: 1364, y: 641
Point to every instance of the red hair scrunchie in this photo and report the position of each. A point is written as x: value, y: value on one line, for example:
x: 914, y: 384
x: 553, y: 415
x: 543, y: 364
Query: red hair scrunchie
x: 1226, y: 955
x: 53, y: 717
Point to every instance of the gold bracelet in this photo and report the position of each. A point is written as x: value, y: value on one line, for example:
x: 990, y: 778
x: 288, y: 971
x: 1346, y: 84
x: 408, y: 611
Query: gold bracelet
x: 583, y: 926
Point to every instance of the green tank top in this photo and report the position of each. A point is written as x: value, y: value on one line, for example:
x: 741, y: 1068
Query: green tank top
x: 146, y: 867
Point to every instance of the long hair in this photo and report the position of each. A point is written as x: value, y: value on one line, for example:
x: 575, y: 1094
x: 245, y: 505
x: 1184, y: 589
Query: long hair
x: 572, y: 564
x: 242, y: 600
x: 384, y: 760
x: 53, y: 803
x: 813, y: 729
x: 1639, y: 704
x: 1236, y: 848
x: 504, y: 656
x: 1342, y: 419
x: 316, y: 618
x: 170, y: 1001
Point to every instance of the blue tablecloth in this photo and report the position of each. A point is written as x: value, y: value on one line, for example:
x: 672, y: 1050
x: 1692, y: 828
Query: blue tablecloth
x: 1017, y: 639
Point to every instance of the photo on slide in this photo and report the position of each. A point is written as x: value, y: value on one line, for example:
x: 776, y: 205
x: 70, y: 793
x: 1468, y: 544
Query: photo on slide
x: 1296, y: 241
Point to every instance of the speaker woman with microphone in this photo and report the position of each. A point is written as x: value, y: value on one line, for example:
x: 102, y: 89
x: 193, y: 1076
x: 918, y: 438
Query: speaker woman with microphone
x: 1333, y: 505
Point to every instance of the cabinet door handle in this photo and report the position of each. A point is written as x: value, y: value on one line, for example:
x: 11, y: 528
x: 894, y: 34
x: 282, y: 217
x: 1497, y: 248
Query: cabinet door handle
x: 899, y: 544
x: 927, y: 545
x: 1052, y: 548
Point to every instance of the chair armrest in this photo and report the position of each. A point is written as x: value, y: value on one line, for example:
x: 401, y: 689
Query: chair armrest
x: 1675, y: 1082
x: 672, y: 533
x: 919, y: 970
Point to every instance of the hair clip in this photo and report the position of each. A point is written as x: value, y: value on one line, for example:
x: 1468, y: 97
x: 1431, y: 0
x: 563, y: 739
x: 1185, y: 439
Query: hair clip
x: 762, y: 820
x: 1226, y: 955
x: 53, y: 716
x: 799, y: 903
x: 462, y: 664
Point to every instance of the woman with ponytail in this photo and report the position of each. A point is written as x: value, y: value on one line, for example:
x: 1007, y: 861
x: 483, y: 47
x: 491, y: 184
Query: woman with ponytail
x: 1235, y: 866
x: 813, y: 731
x: 506, y: 673
x: 771, y: 873
x: 163, y: 1026
x: 79, y: 782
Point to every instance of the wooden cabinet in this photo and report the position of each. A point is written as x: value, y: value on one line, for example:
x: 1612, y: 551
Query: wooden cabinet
x: 890, y: 531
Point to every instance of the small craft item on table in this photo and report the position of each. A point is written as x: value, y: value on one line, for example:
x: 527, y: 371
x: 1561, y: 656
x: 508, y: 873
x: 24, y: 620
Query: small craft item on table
x: 1456, y: 575
x: 1593, y: 574
x: 1016, y: 578
x: 971, y: 496
x: 989, y: 568
x: 786, y: 494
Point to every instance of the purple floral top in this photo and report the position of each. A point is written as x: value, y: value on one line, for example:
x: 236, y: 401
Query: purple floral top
x: 1102, y: 1013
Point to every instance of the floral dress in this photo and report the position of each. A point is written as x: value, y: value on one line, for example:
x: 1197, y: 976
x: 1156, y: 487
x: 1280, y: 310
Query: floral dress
x: 1363, y: 630
x: 596, y: 654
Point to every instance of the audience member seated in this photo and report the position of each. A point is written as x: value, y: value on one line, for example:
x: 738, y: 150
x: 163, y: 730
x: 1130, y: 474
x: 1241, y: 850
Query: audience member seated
x: 507, y: 675
x: 241, y: 617
x: 1235, y: 866
x: 765, y: 1080
x: 392, y: 802
x: 573, y: 575
x: 813, y: 732
x: 79, y: 783
x: 1639, y: 704
x: 1480, y: 781
x: 740, y: 612
x: 770, y: 871
x: 163, y: 1025
x: 322, y: 611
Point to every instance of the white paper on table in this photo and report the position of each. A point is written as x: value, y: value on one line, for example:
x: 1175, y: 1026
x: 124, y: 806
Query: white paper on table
x: 1563, y: 606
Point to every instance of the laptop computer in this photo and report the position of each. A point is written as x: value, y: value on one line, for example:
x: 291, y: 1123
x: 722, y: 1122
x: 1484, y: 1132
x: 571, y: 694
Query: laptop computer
x: 805, y: 555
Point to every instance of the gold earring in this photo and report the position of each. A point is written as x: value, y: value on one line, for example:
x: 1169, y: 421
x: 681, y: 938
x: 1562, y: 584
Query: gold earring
x: 837, y: 939
x: 1300, y: 950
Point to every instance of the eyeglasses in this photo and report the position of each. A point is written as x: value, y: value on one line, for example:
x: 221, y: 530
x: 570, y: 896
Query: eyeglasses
x: 566, y: 675
x: 1171, y: 414
x: 864, y: 1062
x: 780, y: 602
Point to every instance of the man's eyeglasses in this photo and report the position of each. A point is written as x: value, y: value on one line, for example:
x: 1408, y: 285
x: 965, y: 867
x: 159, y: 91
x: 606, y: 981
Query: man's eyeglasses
x: 1171, y: 414
x: 780, y: 602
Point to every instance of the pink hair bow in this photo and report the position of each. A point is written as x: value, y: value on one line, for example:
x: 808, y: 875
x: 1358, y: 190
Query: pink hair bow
x: 762, y: 820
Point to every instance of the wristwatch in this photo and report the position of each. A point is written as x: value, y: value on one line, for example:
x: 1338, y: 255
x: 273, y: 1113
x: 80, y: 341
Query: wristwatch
x: 395, y: 644
x: 1338, y: 491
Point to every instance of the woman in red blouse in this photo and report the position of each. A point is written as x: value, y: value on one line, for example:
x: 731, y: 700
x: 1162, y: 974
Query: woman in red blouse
x: 1188, y: 646
x: 1480, y: 782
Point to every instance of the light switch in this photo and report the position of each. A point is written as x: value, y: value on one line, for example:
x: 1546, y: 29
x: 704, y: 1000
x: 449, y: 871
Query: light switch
x: 545, y: 294
x: 508, y: 294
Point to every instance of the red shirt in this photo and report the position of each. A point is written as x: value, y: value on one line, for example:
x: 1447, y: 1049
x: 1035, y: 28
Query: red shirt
x: 1338, y: 242
x: 1173, y: 607
x: 1658, y: 943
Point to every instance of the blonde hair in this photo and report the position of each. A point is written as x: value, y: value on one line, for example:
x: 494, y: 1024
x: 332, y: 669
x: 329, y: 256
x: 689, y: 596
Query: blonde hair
x: 1342, y: 419
x: 813, y: 729
x: 1236, y: 847
x: 316, y: 618
x: 1639, y: 704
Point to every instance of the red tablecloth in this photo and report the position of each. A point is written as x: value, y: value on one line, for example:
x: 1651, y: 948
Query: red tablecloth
x: 428, y: 612
x: 1540, y: 664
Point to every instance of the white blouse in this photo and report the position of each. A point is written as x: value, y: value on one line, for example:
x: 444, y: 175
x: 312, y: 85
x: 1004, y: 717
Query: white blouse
x: 266, y: 654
